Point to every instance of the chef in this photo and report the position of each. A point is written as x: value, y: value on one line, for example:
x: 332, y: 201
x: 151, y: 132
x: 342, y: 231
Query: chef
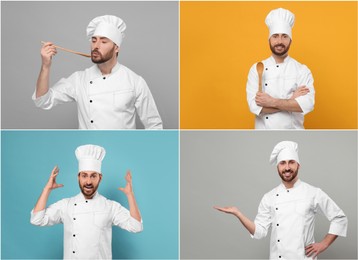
x: 290, y: 209
x: 108, y: 94
x: 287, y: 86
x: 88, y: 217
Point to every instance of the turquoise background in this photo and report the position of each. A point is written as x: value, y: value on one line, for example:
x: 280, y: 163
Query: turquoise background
x: 28, y: 158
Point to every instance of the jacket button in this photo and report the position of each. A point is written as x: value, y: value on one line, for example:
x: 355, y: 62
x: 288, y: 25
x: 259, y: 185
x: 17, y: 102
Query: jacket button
x: 86, y: 201
x: 104, y: 77
x: 278, y: 240
x: 75, y: 204
x: 279, y: 256
x: 74, y: 218
x: 267, y: 117
x: 91, y: 82
x: 266, y: 68
x: 73, y: 252
x: 277, y: 66
x: 265, y: 84
x: 74, y: 235
x: 276, y: 208
x: 91, y: 101
x: 277, y: 224
x: 91, y: 121
x: 288, y: 191
x: 276, y: 194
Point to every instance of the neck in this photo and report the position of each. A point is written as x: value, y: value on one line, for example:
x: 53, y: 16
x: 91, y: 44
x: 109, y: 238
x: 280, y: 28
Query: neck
x: 106, y: 67
x: 279, y: 59
x: 290, y: 184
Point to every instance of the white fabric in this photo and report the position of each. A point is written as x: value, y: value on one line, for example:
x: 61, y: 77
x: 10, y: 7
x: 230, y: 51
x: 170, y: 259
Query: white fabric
x: 90, y: 157
x: 280, y: 81
x: 108, y: 26
x: 285, y: 150
x: 87, y: 225
x: 291, y: 214
x: 105, y: 102
x: 280, y: 21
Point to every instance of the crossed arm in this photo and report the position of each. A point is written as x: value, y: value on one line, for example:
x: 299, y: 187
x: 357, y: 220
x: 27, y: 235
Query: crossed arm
x: 272, y: 105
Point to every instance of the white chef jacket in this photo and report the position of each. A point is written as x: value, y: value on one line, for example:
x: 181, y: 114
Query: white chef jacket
x: 280, y: 81
x: 87, y: 224
x: 291, y: 213
x: 105, y: 101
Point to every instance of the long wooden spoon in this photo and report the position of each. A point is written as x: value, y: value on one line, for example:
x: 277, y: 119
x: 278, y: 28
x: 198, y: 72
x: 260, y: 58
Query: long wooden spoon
x: 260, y: 69
x: 71, y: 51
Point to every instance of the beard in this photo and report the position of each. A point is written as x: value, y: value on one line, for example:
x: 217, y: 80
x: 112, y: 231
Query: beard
x: 284, y: 49
x: 88, y: 190
x: 288, y: 178
x: 99, y: 58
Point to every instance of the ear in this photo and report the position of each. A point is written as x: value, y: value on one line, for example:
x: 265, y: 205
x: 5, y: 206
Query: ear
x: 100, y: 177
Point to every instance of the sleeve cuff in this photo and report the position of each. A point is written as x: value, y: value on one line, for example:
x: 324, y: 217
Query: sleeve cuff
x: 339, y: 229
x: 42, y: 101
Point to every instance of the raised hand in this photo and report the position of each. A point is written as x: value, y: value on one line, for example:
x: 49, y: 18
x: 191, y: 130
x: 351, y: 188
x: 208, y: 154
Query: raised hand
x: 229, y: 210
x: 48, y: 50
x: 128, y: 189
x: 51, y: 184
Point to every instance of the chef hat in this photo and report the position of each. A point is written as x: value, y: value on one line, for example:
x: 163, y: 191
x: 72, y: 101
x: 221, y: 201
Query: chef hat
x: 109, y: 26
x: 280, y: 21
x: 285, y: 150
x: 90, y: 157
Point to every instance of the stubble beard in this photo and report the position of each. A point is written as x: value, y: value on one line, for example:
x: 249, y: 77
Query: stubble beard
x: 100, y: 58
x: 291, y: 178
x: 281, y: 53
x: 88, y: 193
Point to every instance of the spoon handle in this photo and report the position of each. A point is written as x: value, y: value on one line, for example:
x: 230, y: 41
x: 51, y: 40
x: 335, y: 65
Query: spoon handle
x: 71, y: 51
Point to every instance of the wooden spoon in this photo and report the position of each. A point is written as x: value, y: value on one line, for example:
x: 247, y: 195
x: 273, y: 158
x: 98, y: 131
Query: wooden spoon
x: 71, y: 51
x: 260, y: 69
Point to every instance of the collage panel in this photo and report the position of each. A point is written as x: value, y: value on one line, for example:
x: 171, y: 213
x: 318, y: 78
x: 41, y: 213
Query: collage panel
x: 232, y: 169
x: 222, y: 42
x: 144, y: 86
x: 28, y: 157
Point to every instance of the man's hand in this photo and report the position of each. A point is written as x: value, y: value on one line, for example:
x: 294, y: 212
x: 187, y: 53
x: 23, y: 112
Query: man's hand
x: 264, y: 100
x: 313, y: 250
x: 316, y: 248
x: 51, y: 184
x: 128, y: 190
x: 230, y: 210
x: 300, y: 91
x: 248, y: 224
x: 48, y: 50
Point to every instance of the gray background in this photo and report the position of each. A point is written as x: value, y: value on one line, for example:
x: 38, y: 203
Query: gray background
x: 231, y: 169
x: 150, y: 48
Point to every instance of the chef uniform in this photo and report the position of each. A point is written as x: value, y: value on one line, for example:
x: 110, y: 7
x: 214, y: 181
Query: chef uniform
x: 87, y: 222
x: 105, y: 101
x: 291, y: 212
x: 280, y: 81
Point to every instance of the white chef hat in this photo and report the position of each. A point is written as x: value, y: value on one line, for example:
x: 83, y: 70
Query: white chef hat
x: 90, y: 157
x: 109, y: 26
x: 285, y: 150
x: 280, y: 21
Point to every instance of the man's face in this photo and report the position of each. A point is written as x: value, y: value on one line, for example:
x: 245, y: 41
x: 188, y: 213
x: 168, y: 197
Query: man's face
x: 280, y: 44
x: 89, y: 182
x: 102, y: 50
x: 288, y: 170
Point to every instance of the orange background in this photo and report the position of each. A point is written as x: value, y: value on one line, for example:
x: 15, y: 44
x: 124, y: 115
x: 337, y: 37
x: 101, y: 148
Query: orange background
x: 220, y: 41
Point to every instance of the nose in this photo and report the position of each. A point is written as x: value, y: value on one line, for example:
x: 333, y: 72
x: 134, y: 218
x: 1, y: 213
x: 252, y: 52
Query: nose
x: 88, y: 181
